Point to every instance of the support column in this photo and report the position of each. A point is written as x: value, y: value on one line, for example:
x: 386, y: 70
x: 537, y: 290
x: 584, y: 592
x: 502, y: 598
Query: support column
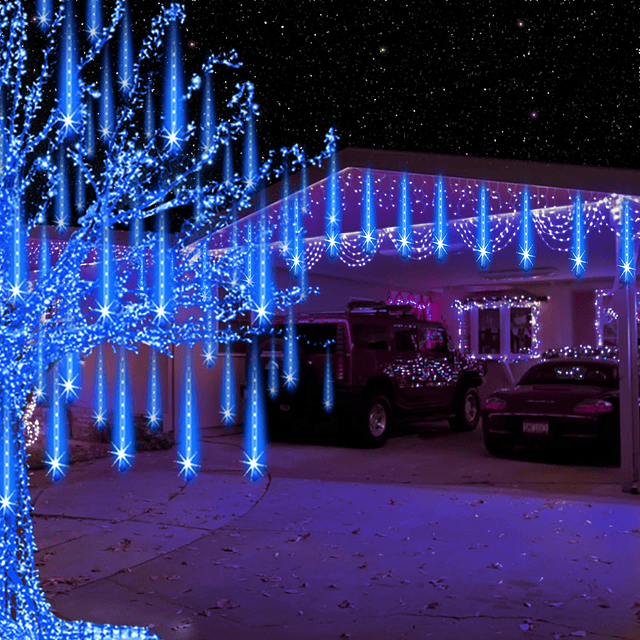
x: 625, y: 296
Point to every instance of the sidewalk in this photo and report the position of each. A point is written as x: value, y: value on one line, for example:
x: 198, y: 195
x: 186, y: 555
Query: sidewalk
x: 225, y: 558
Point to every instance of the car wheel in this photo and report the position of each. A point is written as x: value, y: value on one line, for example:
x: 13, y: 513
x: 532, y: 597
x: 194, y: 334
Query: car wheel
x: 468, y: 414
x: 498, y: 448
x: 376, y: 422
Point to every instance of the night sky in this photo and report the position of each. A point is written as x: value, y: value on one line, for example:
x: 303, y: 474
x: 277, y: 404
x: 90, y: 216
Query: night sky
x: 552, y: 82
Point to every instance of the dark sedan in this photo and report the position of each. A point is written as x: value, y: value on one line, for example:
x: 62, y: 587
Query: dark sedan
x: 556, y: 403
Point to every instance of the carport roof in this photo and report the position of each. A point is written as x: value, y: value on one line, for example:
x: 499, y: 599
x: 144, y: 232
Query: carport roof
x: 566, y: 176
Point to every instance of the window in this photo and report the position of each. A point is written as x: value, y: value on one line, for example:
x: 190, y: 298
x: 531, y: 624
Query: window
x: 520, y: 330
x: 500, y: 325
x: 366, y: 336
x: 489, y: 331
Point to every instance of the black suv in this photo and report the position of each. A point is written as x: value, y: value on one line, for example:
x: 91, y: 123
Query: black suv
x: 387, y: 366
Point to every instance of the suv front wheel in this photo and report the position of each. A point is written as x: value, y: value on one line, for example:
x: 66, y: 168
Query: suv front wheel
x: 468, y: 412
x: 376, y: 421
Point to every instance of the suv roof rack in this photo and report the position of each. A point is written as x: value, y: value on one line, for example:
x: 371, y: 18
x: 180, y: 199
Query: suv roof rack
x: 378, y: 306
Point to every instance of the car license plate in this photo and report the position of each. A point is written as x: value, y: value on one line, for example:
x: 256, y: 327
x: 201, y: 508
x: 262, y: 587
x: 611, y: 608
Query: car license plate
x: 537, y: 426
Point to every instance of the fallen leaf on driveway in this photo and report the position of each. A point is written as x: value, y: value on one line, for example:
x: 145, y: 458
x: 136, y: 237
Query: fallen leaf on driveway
x: 554, y: 604
x: 494, y: 565
x: 345, y: 604
x: 431, y: 605
x: 579, y: 634
x: 225, y: 603
x: 355, y: 531
x: 229, y: 549
x: 183, y: 624
x: 304, y: 536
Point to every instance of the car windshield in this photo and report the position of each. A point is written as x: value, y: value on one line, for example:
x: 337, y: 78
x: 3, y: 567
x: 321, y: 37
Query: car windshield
x: 587, y: 373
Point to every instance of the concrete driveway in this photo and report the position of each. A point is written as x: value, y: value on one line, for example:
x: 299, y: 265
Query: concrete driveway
x: 426, y: 537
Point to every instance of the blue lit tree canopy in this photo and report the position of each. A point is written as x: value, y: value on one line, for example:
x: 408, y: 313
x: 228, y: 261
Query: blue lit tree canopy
x: 79, y: 158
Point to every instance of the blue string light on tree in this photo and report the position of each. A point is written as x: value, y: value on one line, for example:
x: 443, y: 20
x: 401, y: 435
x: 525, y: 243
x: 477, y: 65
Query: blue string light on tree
x: 369, y: 234
x: 291, y: 365
x: 189, y: 449
x: 68, y: 89
x: 327, y: 387
x: 125, y: 62
x: 404, y: 241
x: 578, y: 239
x: 272, y: 377
x: 57, y: 445
x: 440, y: 240
x: 7, y: 500
x: 132, y: 175
x: 154, y: 392
x: 228, y: 407
x: 627, y: 251
x: 173, y: 115
x: 209, y: 297
x: 525, y: 250
x: 255, y: 451
x: 263, y: 307
x: 90, y: 130
x: 105, y: 105
x: 483, y: 246
x: 94, y: 20
x: 17, y: 266
x: 100, y: 390
x: 163, y: 273
x: 70, y: 383
x: 122, y: 436
x: 44, y: 12
x: 285, y: 215
x: 62, y: 215
x: 333, y: 214
x: 249, y: 259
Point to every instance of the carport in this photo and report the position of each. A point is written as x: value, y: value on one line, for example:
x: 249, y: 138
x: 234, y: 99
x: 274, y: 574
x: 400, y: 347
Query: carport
x: 489, y: 258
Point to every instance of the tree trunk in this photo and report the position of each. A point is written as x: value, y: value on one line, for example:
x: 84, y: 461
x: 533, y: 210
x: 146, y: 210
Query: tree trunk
x: 25, y: 613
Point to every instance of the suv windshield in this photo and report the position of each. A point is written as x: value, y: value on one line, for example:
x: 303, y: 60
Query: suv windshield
x: 420, y: 339
x: 594, y: 373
